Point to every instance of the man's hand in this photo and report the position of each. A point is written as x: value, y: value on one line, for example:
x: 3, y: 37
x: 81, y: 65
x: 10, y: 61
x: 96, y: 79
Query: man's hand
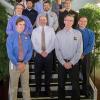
x: 82, y: 56
x: 67, y: 65
x: 21, y: 67
x: 44, y: 54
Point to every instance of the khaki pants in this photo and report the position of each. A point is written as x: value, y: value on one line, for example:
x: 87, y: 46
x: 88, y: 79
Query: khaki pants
x: 14, y: 79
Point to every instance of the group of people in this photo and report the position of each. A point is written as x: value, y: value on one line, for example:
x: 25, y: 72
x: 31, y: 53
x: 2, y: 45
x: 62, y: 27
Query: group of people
x: 46, y: 34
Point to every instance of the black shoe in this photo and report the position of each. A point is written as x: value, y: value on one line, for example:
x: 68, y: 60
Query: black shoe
x: 86, y: 94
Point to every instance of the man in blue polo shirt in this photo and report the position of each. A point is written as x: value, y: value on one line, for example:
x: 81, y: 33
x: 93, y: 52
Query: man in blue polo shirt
x: 11, y: 26
x: 19, y: 49
x: 88, y: 44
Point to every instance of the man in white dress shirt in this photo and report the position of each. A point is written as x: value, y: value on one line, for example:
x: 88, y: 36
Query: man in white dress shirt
x: 52, y: 21
x: 68, y: 46
x: 43, y: 38
x: 51, y: 16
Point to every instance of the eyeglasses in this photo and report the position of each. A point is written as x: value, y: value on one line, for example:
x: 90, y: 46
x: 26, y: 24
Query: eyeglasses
x: 69, y: 20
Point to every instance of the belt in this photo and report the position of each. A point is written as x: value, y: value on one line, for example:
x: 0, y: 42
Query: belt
x: 66, y: 60
x: 20, y: 61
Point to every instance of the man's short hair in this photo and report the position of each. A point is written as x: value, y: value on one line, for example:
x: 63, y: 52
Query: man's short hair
x: 19, y: 20
x: 29, y: 0
x: 19, y: 5
x: 68, y: 0
x: 82, y: 17
x: 70, y: 15
x: 47, y: 1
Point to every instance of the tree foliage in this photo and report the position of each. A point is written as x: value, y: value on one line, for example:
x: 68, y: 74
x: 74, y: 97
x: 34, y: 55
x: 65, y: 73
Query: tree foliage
x: 92, y: 12
x: 3, y: 52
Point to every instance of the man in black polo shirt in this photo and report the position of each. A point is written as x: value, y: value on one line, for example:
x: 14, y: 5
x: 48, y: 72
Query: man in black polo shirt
x: 30, y: 12
x: 65, y: 11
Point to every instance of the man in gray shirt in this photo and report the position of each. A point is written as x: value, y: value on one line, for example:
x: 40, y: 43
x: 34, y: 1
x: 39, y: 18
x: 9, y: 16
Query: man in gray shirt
x: 69, y: 47
x: 52, y: 19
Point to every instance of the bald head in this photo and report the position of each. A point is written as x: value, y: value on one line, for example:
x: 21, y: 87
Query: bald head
x: 42, y: 20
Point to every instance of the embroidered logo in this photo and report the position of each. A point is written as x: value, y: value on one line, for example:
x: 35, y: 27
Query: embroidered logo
x: 75, y: 38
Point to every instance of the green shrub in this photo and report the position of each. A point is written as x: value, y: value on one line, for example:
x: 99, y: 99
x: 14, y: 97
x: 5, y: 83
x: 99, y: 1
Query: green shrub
x: 3, y: 53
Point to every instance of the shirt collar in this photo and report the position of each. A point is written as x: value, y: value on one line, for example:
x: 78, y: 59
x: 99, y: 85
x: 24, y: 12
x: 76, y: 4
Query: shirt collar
x: 82, y: 29
x: 68, y: 30
x: 47, y: 12
x: 18, y: 15
x: 28, y: 9
x: 40, y: 27
x: 17, y: 33
x: 67, y: 10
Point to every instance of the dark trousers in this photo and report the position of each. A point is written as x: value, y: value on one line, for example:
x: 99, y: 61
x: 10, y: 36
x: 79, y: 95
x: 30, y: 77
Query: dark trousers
x: 54, y: 60
x: 74, y: 77
x: 85, y: 67
x: 43, y: 64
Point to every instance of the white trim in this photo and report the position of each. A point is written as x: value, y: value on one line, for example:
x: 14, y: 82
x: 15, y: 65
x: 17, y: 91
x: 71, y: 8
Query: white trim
x: 94, y: 89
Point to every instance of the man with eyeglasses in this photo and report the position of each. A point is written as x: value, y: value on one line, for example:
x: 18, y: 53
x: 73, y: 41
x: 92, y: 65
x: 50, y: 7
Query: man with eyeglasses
x: 43, y: 38
x: 68, y: 47
x: 88, y: 44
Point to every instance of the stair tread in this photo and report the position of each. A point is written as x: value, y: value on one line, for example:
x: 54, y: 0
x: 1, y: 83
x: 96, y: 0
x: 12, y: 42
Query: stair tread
x: 42, y: 96
x: 53, y: 86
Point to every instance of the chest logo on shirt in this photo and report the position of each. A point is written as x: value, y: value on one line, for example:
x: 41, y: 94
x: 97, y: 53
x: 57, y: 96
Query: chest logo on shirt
x: 26, y: 37
x: 75, y: 38
x: 52, y: 14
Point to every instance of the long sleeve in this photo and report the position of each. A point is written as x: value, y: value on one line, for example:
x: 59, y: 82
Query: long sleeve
x: 51, y: 46
x: 29, y: 27
x: 9, y: 46
x: 35, y: 43
x: 91, y: 43
x: 35, y: 7
x: 58, y: 52
x: 9, y: 29
x: 55, y: 25
x: 29, y: 53
x: 79, y: 51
